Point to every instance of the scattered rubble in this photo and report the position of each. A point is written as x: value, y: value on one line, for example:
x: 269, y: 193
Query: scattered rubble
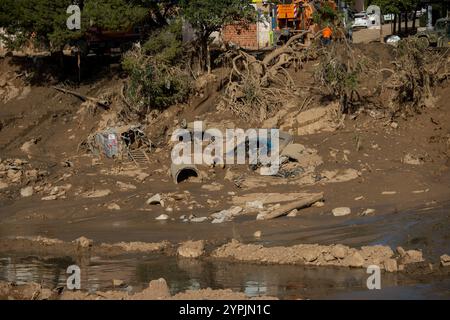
x: 313, y: 254
x: 156, y: 290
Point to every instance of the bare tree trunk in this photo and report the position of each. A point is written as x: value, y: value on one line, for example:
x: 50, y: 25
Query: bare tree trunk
x: 414, y: 19
x: 406, y: 22
x: 208, y: 58
x: 394, y: 30
x: 399, y: 23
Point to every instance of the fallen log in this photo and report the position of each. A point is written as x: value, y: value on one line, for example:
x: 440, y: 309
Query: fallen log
x: 102, y: 103
x: 306, y: 201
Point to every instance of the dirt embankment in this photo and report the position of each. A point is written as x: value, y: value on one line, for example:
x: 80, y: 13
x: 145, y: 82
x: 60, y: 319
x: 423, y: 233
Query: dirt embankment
x: 157, y: 290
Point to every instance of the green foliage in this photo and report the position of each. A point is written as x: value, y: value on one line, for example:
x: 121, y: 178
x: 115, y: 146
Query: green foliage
x: 166, y: 45
x: 156, y: 81
x: 47, y: 18
x: 207, y: 16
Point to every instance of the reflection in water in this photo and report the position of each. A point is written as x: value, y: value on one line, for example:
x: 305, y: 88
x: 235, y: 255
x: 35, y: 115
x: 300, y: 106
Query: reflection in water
x: 286, y: 282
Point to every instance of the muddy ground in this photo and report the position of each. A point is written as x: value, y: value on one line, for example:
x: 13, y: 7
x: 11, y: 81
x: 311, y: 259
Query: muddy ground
x: 392, y: 174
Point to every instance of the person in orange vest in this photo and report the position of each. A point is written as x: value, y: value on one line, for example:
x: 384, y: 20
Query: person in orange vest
x: 327, y: 32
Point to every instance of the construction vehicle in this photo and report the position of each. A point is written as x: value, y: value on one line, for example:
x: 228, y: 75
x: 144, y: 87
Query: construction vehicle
x: 294, y: 16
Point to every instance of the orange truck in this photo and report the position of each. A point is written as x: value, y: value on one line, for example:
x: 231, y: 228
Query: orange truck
x: 297, y: 15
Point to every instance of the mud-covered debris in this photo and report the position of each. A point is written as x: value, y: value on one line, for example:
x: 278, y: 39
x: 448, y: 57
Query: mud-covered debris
x: 257, y: 204
x: 191, y: 249
x: 410, y: 256
x: 118, y: 283
x: 162, y: 217
x: 318, y: 204
x: 412, y: 160
x: 257, y: 234
x: 125, y: 186
x: 226, y: 215
x: 156, y: 199
x: 199, y: 219
x: 368, y: 212
x: 97, y: 193
x: 113, y: 206
x: 83, y: 242
x: 445, y: 260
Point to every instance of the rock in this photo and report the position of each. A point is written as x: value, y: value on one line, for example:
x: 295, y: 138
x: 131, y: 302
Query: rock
x: 310, y: 255
x: 339, y: 251
x: 199, y: 220
x: 257, y: 234
x: 14, y: 175
x: 156, y: 199
x: 359, y: 198
x: 3, y: 185
x: 293, y: 213
x: 113, y: 206
x: 390, y: 265
x: 26, y: 192
x: 354, y: 260
x: 319, y: 204
x: 191, y: 249
x: 118, y: 283
x: 394, y: 125
x: 401, y: 251
x: 388, y: 193
x: 27, y: 145
x: 342, y: 211
x: 412, y: 256
x: 261, y: 216
x: 162, y: 217
x: 445, y: 260
x: 84, y: 242
x: 257, y: 204
x: 159, y: 287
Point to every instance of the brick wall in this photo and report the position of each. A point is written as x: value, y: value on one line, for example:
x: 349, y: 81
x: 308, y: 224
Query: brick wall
x: 243, y: 36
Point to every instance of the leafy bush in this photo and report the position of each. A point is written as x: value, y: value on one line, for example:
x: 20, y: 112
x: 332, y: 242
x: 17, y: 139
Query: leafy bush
x: 157, y: 79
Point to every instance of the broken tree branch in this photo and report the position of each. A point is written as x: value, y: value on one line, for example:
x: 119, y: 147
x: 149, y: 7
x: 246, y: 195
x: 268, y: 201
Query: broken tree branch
x: 102, y: 103
x: 307, y: 201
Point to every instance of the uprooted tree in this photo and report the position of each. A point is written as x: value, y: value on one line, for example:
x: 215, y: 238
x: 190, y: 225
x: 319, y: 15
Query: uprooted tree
x: 259, y: 87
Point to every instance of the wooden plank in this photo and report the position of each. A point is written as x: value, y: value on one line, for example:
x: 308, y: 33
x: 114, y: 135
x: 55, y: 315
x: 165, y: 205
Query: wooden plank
x: 306, y: 201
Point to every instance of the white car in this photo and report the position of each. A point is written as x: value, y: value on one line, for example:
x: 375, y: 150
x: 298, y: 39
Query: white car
x: 361, y: 20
